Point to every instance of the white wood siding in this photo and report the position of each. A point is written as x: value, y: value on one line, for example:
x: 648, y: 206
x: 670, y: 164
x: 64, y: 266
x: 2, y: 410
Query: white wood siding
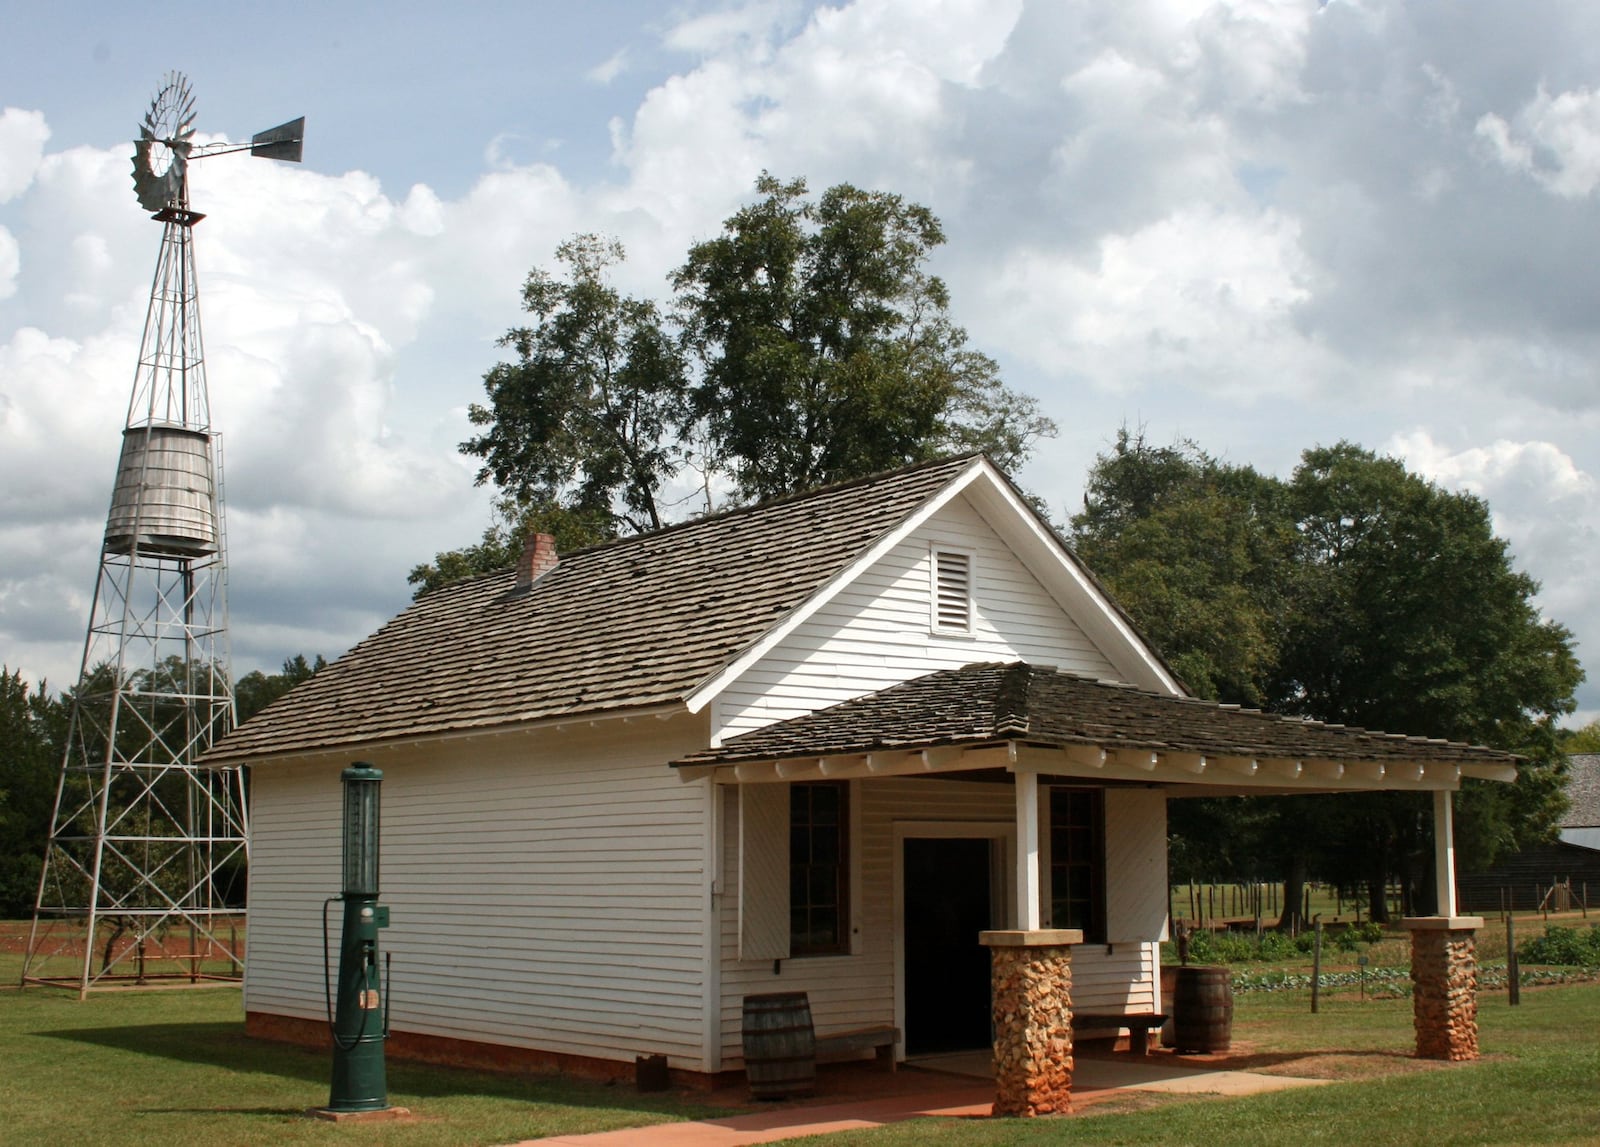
x: 858, y: 989
x: 1136, y: 864
x: 878, y: 632
x: 763, y: 872
x: 546, y: 890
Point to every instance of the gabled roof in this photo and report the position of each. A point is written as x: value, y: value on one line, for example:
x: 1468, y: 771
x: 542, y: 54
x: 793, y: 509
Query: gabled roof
x: 1583, y: 791
x: 639, y: 623
x: 989, y: 704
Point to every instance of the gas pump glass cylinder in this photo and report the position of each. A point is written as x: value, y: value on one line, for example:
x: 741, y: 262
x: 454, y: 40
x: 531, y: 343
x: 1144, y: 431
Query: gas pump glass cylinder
x: 361, y: 783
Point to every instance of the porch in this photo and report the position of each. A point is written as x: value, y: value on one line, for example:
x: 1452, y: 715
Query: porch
x: 955, y: 1086
x: 1036, y: 731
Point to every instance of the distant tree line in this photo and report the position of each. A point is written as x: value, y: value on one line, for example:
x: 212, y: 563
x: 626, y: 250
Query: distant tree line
x: 33, y: 738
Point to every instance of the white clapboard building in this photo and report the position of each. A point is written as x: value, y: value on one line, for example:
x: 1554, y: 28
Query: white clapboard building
x: 816, y: 744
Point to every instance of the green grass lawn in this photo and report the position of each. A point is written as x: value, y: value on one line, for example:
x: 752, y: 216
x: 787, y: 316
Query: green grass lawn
x: 174, y: 1067
x: 1537, y: 1083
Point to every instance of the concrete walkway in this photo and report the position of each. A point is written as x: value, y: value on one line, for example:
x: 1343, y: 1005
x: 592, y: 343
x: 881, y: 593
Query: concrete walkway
x: 970, y: 1094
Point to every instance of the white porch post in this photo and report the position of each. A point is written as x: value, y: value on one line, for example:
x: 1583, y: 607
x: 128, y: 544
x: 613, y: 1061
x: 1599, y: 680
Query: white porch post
x: 1027, y: 851
x: 1444, y: 853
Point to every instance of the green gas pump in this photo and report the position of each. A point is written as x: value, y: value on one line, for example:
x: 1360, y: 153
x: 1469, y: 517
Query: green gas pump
x: 359, y: 1016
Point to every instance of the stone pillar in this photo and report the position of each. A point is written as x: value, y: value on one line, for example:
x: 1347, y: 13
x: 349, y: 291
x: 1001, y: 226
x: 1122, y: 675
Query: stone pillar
x: 1031, y: 977
x: 1444, y: 985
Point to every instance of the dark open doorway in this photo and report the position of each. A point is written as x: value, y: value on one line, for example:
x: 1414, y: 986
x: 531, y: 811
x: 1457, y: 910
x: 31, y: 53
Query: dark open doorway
x: 947, y: 882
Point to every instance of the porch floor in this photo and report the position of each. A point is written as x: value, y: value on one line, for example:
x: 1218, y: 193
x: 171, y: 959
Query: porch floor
x: 953, y: 1086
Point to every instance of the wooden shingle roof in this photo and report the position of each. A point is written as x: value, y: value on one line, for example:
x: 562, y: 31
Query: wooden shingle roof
x: 631, y: 624
x: 1583, y: 791
x: 992, y: 703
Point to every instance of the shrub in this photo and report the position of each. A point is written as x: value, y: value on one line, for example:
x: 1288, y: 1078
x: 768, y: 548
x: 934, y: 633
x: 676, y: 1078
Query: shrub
x: 1240, y: 948
x: 1565, y: 946
x: 1352, y: 936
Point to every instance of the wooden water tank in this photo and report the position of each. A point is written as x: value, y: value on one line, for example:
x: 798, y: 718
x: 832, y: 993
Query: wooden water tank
x: 164, y: 498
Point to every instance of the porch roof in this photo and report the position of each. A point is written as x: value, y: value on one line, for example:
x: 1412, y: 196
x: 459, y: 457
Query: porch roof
x: 1034, y: 718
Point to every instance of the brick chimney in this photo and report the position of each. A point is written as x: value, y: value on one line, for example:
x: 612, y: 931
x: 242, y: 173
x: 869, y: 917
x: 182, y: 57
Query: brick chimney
x: 538, y: 555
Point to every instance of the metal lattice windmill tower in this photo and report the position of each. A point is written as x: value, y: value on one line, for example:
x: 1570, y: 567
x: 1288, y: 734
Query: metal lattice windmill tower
x: 147, y: 849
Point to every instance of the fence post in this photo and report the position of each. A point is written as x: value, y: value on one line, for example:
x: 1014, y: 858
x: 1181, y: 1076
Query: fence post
x: 1513, y: 972
x: 1316, y: 962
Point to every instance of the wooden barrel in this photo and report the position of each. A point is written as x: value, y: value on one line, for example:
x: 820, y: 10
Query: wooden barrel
x: 780, y: 1051
x: 1169, y: 983
x: 1202, y: 1009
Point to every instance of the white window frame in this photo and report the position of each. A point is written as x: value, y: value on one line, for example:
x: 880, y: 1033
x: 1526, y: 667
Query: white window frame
x: 935, y: 621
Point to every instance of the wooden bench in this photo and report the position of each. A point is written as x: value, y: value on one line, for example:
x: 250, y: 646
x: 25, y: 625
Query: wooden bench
x: 880, y: 1040
x: 1139, y: 1025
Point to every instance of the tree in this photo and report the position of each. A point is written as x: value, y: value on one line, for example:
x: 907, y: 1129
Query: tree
x: 1581, y: 740
x: 827, y: 348
x: 1411, y: 618
x: 32, y: 736
x: 587, y: 419
x: 1356, y: 593
x: 825, y: 352
x: 502, y: 541
x: 256, y: 690
x: 1200, y: 552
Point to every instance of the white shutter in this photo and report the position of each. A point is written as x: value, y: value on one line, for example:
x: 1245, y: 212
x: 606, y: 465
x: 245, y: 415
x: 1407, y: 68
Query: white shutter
x: 1136, y: 865
x: 764, y: 872
x: 952, y: 590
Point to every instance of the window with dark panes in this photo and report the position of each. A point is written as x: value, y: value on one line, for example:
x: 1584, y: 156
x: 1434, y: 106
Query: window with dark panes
x: 818, y: 869
x: 1077, y: 861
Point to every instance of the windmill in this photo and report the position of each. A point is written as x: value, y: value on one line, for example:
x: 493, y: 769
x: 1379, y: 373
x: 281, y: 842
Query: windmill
x: 145, y: 844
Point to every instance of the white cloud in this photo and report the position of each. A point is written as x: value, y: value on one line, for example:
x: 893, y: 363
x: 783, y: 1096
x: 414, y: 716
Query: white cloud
x: 1250, y: 52
x: 610, y: 68
x: 22, y: 139
x: 10, y: 264
x: 1204, y: 297
x: 1556, y: 140
x: 1261, y: 224
x: 1542, y: 502
x: 729, y: 28
x: 1114, y: 85
x: 859, y: 89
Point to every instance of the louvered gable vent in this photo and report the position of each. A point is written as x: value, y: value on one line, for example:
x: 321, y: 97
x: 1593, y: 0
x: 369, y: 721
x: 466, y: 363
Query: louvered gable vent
x: 952, y: 590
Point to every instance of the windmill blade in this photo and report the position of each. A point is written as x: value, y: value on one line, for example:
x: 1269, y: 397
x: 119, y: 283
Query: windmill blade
x: 282, y: 142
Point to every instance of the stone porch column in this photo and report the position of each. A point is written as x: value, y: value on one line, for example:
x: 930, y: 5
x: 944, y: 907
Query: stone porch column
x: 1031, y: 977
x: 1444, y: 985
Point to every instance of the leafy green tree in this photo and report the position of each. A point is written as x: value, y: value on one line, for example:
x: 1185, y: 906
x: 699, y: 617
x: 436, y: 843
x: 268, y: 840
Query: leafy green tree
x: 588, y: 416
x: 1411, y: 618
x: 827, y: 348
x: 256, y: 690
x: 824, y: 348
x: 32, y: 735
x: 1355, y: 593
x: 572, y: 529
x: 1582, y: 740
x: 1201, y: 552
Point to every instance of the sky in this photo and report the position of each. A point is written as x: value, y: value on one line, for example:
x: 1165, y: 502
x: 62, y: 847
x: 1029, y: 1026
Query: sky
x: 1260, y: 226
